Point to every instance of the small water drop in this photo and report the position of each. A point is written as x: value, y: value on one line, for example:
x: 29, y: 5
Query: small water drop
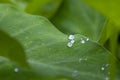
x: 16, y: 69
x: 107, y: 65
x: 71, y: 37
x: 107, y: 78
x: 80, y: 59
x: 102, y: 68
x: 72, y: 41
x: 87, y: 39
x: 70, y: 44
x: 83, y: 59
x: 82, y: 41
x: 75, y: 73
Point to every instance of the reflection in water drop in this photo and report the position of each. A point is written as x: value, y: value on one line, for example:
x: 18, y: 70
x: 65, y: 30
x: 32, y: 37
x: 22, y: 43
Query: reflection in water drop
x: 75, y: 73
x: 16, y: 69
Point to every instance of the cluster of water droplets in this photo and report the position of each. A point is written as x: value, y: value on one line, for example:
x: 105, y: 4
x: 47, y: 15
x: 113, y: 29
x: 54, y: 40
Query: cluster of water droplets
x: 82, y: 59
x: 84, y: 40
x: 104, y: 68
x: 72, y: 41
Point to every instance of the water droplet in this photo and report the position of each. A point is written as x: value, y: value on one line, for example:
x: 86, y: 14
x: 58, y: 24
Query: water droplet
x: 106, y: 65
x: 72, y: 41
x: 75, y: 73
x: 107, y: 78
x: 83, y: 40
x: 71, y: 37
x: 16, y: 69
x: 80, y: 59
x: 70, y: 44
x: 102, y: 68
x: 83, y: 59
x: 87, y: 39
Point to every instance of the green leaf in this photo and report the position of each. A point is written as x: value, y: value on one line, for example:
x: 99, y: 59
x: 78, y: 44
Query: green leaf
x: 21, y: 3
x: 75, y: 16
x: 47, y: 51
x: 4, y: 1
x: 106, y: 33
x: 11, y: 48
x: 108, y: 7
x: 45, y: 8
x: 118, y: 71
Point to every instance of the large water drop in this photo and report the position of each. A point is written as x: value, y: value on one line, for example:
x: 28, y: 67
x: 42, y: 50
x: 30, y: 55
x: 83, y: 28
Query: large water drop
x: 71, y: 37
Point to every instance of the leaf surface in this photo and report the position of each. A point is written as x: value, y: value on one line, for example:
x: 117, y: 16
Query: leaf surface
x: 47, y: 51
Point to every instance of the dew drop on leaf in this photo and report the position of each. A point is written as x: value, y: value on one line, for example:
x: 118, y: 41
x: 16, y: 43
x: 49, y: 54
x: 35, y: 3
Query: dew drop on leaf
x: 102, y: 68
x: 80, y: 59
x: 107, y: 65
x: 75, y: 73
x: 107, y: 78
x: 70, y: 44
x: 71, y: 37
x: 72, y: 41
x: 83, y: 40
x: 16, y: 69
x: 87, y: 39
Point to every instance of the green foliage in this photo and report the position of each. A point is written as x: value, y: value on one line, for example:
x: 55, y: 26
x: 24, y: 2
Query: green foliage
x: 32, y: 48
x: 107, y: 7
x: 45, y: 8
x: 12, y: 49
x: 79, y: 18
